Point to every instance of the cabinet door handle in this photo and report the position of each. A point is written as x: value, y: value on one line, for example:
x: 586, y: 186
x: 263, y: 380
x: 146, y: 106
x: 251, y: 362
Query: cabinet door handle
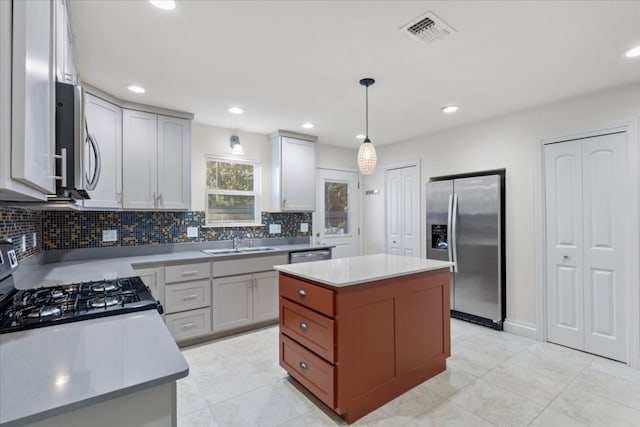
x: 189, y: 326
x: 160, y: 200
x: 303, y: 366
x: 190, y: 298
x: 304, y: 326
x: 189, y: 273
x: 302, y: 292
x: 155, y: 200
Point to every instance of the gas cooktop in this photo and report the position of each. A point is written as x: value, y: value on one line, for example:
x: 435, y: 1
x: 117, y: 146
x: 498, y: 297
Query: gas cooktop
x: 32, y: 308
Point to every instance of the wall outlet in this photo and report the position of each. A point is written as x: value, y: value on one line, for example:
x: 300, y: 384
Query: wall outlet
x: 35, y: 240
x: 304, y: 227
x: 23, y: 243
x: 109, y: 235
x: 192, y: 231
x: 275, y: 228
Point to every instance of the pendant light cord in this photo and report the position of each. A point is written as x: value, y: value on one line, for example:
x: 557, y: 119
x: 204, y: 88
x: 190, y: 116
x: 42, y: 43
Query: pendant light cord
x: 367, y: 112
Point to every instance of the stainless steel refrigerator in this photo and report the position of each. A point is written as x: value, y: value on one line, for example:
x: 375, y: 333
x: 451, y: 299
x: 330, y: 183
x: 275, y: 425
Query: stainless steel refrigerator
x: 465, y: 224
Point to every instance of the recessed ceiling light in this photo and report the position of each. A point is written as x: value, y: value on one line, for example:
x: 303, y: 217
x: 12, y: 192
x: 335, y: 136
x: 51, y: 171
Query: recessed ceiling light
x: 632, y: 53
x: 449, y: 109
x: 308, y: 125
x: 164, y: 4
x: 136, y: 89
x: 361, y: 136
x: 235, y: 110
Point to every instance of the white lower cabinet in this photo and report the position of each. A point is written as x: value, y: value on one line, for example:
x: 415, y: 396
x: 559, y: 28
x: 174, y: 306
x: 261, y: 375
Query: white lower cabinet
x: 186, y: 297
x: 244, y: 299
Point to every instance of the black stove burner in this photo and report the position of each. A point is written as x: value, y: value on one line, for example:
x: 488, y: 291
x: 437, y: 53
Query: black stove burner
x: 33, y: 308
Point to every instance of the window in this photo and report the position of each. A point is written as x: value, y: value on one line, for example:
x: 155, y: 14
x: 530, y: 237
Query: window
x: 336, y: 207
x: 233, y: 192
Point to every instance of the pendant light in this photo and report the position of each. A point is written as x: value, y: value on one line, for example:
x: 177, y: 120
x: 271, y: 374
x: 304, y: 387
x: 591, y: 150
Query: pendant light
x: 367, y: 158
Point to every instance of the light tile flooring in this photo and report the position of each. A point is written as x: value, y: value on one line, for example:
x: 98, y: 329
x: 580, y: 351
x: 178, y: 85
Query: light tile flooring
x: 492, y: 379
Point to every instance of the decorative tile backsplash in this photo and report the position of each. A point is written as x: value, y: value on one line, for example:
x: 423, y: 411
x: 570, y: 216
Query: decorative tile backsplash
x: 15, y: 223
x: 83, y: 229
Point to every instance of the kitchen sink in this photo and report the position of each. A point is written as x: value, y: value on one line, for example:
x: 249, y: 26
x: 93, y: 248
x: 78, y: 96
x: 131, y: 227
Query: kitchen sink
x: 227, y: 251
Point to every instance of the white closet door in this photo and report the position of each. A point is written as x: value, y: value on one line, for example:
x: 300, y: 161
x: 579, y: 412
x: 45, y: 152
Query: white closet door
x: 393, y: 185
x: 565, y: 296
x: 411, y: 211
x: 605, y: 171
x: 586, y: 244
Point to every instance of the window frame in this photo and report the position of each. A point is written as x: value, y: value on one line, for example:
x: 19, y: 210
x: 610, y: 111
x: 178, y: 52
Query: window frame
x: 256, y: 193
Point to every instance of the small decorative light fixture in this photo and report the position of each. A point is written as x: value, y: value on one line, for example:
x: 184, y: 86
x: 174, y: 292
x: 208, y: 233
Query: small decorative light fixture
x: 236, y: 147
x: 367, y: 157
x: 235, y: 110
x: 136, y: 89
x: 449, y: 109
x: 632, y: 53
x: 164, y: 4
x: 308, y: 125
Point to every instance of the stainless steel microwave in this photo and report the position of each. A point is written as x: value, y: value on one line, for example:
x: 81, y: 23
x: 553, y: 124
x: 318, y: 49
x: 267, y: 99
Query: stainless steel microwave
x: 77, y: 153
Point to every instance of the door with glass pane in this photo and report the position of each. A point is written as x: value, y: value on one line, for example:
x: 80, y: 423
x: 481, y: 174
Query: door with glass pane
x: 336, y: 220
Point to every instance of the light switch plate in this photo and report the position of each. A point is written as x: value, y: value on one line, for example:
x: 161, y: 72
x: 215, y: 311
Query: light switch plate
x: 304, y: 227
x: 192, y: 231
x: 109, y: 235
x: 275, y: 229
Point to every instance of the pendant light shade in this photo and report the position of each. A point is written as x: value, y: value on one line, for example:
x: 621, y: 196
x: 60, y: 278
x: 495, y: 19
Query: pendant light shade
x: 367, y: 157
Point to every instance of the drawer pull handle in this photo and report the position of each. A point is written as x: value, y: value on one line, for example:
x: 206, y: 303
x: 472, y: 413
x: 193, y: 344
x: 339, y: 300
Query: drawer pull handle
x: 189, y: 273
x: 303, y: 326
x: 302, y: 292
x: 189, y: 325
x: 303, y: 365
x: 189, y: 297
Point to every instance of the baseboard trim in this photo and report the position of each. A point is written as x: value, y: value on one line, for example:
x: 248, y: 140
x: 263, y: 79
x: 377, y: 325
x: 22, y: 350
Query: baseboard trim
x: 522, y: 329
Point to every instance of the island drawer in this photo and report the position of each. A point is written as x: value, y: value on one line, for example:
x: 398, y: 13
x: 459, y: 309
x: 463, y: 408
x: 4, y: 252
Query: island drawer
x: 314, y: 331
x: 312, y: 296
x: 187, y: 296
x: 189, y: 324
x: 181, y: 273
x: 310, y: 370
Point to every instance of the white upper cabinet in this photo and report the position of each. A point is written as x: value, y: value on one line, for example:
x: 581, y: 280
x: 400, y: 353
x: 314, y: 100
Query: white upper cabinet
x: 155, y: 158
x: 174, y: 163
x: 66, y: 69
x: 139, y: 160
x: 33, y: 95
x: 293, y: 159
x: 104, y: 129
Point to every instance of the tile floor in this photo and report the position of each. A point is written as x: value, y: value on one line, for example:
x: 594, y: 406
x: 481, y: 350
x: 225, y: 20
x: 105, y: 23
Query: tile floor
x: 492, y: 379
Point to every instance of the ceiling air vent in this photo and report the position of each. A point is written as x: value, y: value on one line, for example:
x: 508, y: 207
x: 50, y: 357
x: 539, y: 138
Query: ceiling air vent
x: 427, y: 28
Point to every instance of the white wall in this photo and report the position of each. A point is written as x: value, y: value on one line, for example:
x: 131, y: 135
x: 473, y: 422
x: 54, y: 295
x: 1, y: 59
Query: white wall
x: 509, y: 142
x: 206, y: 139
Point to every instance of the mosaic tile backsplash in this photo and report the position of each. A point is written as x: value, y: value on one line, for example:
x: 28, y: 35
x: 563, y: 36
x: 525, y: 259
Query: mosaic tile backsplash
x: 15, y: 223
x: 83, y: 229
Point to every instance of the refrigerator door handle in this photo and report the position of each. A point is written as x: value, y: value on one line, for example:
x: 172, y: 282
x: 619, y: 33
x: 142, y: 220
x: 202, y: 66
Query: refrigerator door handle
x: 449, y: 242
x: 454, y: 224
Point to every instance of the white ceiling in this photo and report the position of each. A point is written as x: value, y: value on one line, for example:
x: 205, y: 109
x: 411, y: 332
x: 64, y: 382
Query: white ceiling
x: 288, y: 62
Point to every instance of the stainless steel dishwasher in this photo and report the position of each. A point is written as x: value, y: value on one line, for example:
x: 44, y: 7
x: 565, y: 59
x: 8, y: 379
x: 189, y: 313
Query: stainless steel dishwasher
x: 309, y: 255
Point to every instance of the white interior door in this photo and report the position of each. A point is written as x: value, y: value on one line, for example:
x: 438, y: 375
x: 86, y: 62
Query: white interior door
x: 565, y: 296
x: 604, y: 182
x: 586, y: 244
x: 336, y: 219
x: 402, y: 188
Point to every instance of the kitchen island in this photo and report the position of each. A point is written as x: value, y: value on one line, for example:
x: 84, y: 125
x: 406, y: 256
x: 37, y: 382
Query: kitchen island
x: 358, y: 332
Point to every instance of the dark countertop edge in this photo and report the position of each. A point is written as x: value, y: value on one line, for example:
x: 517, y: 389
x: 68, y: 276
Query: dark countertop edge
x: 60, y: 410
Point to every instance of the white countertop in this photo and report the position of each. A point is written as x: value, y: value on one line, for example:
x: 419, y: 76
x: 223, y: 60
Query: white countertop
x: 361, y: 269
x: 51, y: 370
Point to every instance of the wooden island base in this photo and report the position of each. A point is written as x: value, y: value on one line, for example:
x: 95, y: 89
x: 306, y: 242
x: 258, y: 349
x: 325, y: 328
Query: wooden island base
x: 358, y: 347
